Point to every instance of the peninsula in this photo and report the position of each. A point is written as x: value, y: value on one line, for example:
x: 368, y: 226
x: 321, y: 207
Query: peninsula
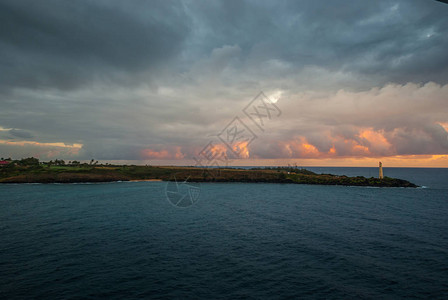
x: 30, y: 170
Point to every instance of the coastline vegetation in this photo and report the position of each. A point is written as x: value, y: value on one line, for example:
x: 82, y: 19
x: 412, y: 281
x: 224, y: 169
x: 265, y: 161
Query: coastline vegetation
x: 31, y: 170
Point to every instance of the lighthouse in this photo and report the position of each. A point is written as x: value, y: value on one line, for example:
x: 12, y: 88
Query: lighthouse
x: 381, y: 171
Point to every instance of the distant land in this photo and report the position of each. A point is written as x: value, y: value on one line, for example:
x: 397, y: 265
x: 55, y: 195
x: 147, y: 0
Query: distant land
x: 30, y: 170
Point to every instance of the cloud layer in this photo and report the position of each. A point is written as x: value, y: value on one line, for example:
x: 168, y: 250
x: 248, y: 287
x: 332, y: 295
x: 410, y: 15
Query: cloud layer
x: 159, y: 79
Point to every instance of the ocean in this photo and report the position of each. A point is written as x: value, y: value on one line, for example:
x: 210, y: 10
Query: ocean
x: 125, y: 240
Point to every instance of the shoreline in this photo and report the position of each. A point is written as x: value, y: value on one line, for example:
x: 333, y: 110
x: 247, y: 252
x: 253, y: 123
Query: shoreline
x: 218, y: 182
x: 142, y: 180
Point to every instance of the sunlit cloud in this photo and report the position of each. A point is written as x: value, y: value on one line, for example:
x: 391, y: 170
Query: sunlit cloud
x: 444, y: 125
x: 242, y: 149
x: 275, y: 95
x: 34, y: 143
x: 40, y: 149
x: 172, y: 153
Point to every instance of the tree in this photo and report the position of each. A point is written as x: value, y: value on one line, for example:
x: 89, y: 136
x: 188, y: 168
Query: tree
x: 30, y: 161
x: 59, y: 162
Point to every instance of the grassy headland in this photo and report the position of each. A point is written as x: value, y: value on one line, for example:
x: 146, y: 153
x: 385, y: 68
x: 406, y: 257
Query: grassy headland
x: 31, y: 171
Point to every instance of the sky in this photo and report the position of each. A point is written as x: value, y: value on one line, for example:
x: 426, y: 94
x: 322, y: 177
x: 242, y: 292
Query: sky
x: 324, y: 83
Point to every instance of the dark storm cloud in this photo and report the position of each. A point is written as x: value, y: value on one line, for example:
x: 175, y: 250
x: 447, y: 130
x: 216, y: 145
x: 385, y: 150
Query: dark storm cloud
x: 63, y: 44
x: 397, y: 41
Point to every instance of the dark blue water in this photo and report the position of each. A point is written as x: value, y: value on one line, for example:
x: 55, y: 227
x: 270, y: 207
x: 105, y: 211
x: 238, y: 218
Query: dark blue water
x: 251, y: 241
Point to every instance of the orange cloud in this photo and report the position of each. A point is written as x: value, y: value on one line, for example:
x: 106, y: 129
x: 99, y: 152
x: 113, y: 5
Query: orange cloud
x: 219, y: 150
x: 365, y: 142
x: 149, y: 153
x: 242, y: 149
x: 361, y: 147
x: 302, y: 148
x: 173, y: 153
x: 309, y: 149
x: 360, y: 150
x: 375, y: 138
x: 444, y: 125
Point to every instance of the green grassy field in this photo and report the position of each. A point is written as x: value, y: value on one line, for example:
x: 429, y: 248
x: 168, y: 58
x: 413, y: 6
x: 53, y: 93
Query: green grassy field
x: 100, y: 173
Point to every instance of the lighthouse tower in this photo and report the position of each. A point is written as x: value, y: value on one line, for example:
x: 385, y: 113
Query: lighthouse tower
x: 381, y: 171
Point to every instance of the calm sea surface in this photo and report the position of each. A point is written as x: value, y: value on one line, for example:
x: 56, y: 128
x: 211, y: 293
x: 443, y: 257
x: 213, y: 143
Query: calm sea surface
x: 240, y: 241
